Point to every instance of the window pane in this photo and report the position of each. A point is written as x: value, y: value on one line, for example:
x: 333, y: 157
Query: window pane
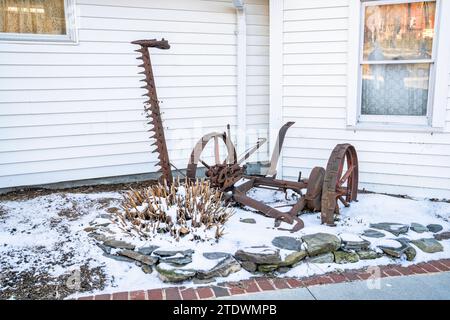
x: 32, y: 16
x: 399, y: 31
x: 395, y: 89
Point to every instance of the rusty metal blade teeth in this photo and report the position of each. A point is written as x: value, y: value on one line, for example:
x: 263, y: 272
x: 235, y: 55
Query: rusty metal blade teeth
x: 151, y: 106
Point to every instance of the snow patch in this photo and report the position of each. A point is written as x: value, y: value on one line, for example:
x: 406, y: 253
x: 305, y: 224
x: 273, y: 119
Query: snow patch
x: 41, y: 233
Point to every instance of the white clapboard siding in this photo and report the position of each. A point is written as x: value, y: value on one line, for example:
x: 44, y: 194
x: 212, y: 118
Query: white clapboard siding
x: 315, y: 96
x: 257, y: 75
x: 75, y: 111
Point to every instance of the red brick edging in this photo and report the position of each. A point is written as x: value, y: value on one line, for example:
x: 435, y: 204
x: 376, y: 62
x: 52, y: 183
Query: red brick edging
x: 266, y: 284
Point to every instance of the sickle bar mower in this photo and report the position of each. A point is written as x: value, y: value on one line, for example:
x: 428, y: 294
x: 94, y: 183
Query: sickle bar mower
x: 325, y: 188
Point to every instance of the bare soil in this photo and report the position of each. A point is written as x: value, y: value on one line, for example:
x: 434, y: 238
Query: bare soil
x: 29, y: 193
x: 30, y: 285
x: 37, y: 283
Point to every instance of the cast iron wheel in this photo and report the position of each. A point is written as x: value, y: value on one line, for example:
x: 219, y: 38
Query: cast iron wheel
x: 341, y: 181
x: 222, y: 169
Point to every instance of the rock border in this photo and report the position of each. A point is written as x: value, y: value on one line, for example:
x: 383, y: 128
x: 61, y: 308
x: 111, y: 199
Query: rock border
x: 261, y: 284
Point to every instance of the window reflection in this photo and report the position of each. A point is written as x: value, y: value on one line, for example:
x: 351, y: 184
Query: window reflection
x: 399, y: 31
x: 32, y: 16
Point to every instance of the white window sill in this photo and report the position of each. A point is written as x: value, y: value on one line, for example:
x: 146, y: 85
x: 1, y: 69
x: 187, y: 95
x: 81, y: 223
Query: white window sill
x: 33, y: 38
x: 379, y: 126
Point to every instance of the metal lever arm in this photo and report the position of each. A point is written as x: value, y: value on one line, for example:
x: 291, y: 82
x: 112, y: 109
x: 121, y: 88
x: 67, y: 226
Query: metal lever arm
x: 153, y: 43
x: 277, y: 149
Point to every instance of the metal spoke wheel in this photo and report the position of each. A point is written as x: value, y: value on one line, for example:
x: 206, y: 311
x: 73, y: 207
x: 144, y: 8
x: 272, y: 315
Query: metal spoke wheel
x: 225, y: 170
x: 341, y: 181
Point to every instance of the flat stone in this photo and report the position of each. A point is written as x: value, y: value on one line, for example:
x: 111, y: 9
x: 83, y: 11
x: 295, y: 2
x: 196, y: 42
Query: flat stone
x: 118, y: 258
x: 104, y: 224
x: 394, y: 228
x: 203, y: 281
x: 248, y: 220
x: 442, y: 236
x: 430, y: 245
x: 368, y: 255
x: 398, y: 252
x: 148, y: 260
x: 288, y: 243
x: 147, y: 250
x: 118, y: 244
x: 223, y: 269
x: 435, y: 228
x: 178, y: 260
x: 259, y: 255
x: 98, y: 236
x: 410, y: 253
x: 216, y: 255
x: 147, y: 269
x: 417, y: 227
x: 266, y: 268
x: 249, y: 266
x: 342, y: 257
x: 354, y: 243
x: 320, y: 243
x: 105, y: 249
x: 100, y: 222
x: 293, y: 258
x: 169, y: 253
x: 283, y: 269
x: 403, y: 240
x: 167, y: 273
x: 90, y: 229
x: 323, y: 258
x: 370, y: 233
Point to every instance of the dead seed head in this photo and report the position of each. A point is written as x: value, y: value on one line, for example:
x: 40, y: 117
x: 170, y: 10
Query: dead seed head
x: 178, y: 209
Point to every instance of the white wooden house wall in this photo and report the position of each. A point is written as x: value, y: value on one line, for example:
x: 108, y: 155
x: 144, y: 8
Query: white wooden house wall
x: 314, y: 94
x: 257, y: 15
x: 74, y: 111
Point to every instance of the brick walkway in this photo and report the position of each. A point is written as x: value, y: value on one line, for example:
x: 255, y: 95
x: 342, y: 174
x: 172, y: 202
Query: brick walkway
x: 265, y: 284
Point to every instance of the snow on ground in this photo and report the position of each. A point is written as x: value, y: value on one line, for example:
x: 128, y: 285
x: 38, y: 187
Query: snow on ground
x: 46, y: 235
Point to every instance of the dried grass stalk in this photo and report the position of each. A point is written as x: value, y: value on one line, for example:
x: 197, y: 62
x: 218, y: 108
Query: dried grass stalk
x: 179, y: 209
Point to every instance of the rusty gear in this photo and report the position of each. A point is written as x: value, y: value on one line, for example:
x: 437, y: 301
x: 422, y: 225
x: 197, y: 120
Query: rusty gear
x: 224, y: 176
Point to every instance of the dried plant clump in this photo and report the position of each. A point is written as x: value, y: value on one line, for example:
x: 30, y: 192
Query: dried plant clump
x: 184, y: 208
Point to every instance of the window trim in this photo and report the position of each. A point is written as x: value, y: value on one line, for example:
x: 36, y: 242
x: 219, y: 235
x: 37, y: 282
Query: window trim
x: 438, y: 93
x: 71, y: 29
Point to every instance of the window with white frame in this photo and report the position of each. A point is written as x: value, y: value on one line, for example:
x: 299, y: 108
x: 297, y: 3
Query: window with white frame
x: 397, y: 56
x: 45, y: 20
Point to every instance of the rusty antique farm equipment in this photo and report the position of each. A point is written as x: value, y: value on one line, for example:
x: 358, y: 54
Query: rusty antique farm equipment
x: 325, y: 188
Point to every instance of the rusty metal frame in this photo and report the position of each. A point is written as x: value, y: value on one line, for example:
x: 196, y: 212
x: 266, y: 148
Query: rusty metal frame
x: 324, y: 187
